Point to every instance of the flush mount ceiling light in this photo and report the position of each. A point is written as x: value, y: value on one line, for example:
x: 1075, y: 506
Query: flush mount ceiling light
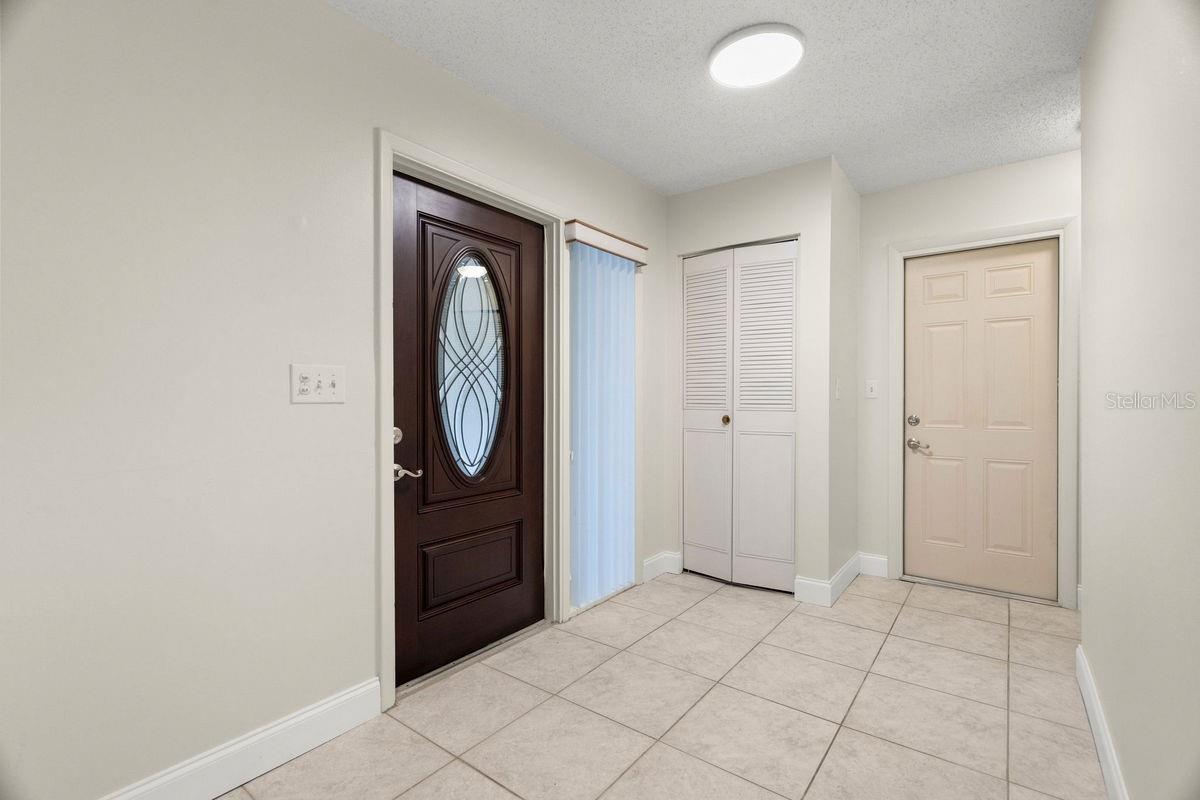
x: 756, y: 55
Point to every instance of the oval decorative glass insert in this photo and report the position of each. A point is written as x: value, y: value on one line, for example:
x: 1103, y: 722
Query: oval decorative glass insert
x: 470, y: 364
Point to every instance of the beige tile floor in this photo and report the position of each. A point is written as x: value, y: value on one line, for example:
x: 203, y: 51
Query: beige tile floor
x: 686, y: 688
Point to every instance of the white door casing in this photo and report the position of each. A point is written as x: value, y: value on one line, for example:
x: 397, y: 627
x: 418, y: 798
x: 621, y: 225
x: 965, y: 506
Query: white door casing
x: 981, y: 367
x: 739, y: 365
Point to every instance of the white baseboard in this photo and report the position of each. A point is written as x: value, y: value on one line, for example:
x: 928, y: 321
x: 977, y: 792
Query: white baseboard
x: 842, y: 578
x: 661, y: 564
x: 871, y: 564
x: 228, y: 766
x: 1105, y: 749
x: 825, y: 593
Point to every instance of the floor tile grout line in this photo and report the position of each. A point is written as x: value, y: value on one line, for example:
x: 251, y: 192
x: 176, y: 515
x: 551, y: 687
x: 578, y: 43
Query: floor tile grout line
x: 718, y: 766
x: 907, y: 604
x: 801, y: 606
x: 850, y: 590
x: 948, y: 647
x: 722, y: 630
x: 718, y: 680
x: 866, y: 673
x: 659, y: 739
x: 762, y: 606
x: 605, y: 660
x: 615, y: 598
x: 1006, y: 600
x: 522, y: 715
x: 1073, y: 611
x: 755, y: 644
x: 1075, y: 639
x: 838, y: 727
x: 934, y: 756
x: 420, y: 735
x: 626, y: 650
x: 733, y: 688
x: 628, y: 767
x: 932, y: 689
x: 245, y: 786
x: 1039, y: 791
x: 1007, y: 711
x: 842, y: 723
x: 870, y: 670
x: 685, y: 669
x: 425, y: 738
x: 488, y: 777
x: 1055, y: 723
x: 893, y: 635
x: 635, y: 641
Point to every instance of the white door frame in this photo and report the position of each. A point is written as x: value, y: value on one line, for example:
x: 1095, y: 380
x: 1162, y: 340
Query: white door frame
x: 1066, y: 230
x: 393, y: 153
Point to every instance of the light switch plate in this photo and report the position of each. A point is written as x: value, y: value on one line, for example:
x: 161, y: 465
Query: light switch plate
x: 872, y: 391
x: 318, y: 383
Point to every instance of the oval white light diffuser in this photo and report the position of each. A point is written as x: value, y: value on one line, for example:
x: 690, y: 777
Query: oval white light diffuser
x: 471, y: 267
x: 756, y: 55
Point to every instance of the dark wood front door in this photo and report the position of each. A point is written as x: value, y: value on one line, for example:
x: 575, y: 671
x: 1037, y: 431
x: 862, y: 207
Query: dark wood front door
x: 468, y: 398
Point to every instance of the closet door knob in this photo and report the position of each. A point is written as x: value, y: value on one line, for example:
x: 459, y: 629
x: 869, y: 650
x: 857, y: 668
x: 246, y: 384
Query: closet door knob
x: 725, y: 420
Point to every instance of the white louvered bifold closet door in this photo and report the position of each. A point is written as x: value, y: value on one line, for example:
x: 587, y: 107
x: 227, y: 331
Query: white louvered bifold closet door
x: 764, y: 416
x: 707, y: 397
x: 739, y: 438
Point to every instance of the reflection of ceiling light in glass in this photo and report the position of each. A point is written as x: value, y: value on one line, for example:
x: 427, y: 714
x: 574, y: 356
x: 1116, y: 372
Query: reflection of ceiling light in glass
x: 472, y: 268
x: 756, y: 55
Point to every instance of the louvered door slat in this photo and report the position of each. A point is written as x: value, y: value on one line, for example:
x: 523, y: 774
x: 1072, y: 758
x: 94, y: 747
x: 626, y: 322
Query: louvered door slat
x: 765, y: 319
x: 706, y: 336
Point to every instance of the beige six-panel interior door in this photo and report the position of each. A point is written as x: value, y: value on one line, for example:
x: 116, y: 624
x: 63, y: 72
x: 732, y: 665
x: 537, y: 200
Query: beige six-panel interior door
x: 739, y: 431
x: 981, y: 399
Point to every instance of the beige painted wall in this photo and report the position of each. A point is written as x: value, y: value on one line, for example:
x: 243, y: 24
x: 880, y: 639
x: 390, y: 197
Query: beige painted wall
x: 188, y: 207
x: 844, y: 289
x: 795, y: 200
x: 1140, y: 328
x: 975, y: 202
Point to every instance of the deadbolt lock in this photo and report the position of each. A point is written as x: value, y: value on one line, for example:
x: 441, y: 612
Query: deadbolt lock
x: 914, y: 420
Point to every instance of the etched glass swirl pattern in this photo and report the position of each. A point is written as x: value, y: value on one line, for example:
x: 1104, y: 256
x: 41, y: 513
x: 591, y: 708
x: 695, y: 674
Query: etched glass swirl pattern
x: 470, y: 365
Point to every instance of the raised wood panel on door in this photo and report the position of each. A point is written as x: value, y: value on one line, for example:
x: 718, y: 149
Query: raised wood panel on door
x: 981, y: 371
x: 707, y: 385
x: 764, y: 416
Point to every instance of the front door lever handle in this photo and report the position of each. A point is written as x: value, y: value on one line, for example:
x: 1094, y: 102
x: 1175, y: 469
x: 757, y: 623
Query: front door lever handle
x: 399, y: 472
x: 916, y: 446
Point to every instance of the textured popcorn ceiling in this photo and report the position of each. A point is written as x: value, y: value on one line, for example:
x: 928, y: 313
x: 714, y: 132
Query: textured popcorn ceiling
x: 897, y: 91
